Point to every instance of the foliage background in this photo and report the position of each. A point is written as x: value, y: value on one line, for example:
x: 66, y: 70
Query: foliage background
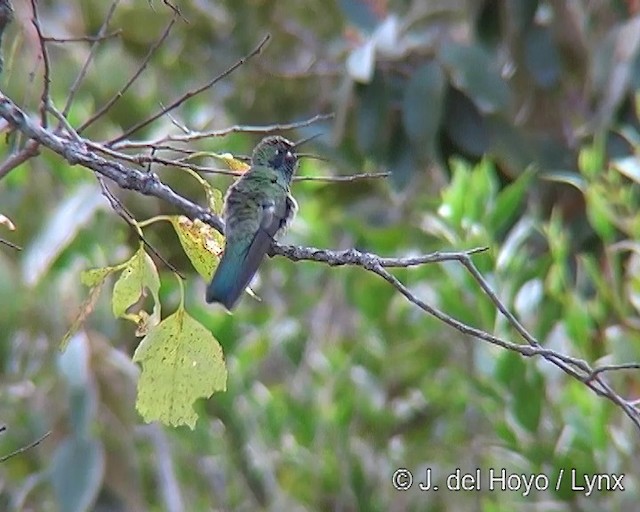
x: 511, y: 124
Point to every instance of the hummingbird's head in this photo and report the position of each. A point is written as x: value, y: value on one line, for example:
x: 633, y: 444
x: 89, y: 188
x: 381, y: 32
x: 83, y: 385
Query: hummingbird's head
x: 276, y: 153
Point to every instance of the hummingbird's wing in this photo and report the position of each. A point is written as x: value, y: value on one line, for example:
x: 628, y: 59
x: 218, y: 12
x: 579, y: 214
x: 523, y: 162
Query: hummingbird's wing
x: 274, y: 217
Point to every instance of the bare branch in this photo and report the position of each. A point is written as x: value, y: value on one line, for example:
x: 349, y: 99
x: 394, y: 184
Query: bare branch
x: 44, y: 99
x: 77, y: 151
x: 128, y: 178
x: 238, y: 128
x: 144, y: 159
x: 24, y: 448
x: 192, y: 93
x: 576, y: 368
x: 101, y: 111
x: 10, y: 244
x: 82, y: 39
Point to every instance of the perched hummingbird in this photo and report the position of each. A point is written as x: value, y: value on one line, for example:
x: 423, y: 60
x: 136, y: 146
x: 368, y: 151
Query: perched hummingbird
x: 257, y: 208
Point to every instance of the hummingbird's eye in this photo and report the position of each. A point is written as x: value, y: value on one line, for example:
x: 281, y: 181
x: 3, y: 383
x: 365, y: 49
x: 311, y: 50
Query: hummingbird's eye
x: 289, y: 155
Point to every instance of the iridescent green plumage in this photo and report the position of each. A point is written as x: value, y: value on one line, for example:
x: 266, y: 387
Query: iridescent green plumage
x: 257, y: 208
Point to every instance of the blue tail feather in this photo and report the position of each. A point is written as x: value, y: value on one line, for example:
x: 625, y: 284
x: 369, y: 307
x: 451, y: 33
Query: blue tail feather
x: 223, y: 286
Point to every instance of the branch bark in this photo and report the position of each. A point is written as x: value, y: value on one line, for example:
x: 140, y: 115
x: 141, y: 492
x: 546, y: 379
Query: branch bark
x: 77, y: 151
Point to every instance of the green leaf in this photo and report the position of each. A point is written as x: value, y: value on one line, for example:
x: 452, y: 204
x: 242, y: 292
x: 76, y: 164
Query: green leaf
x: 76, y: 473
x: 525, y: 386
x: 372, y: 126
x: 510, y: 368
x: 472, y: 70
x: 95, y: 276
x: 528, y: 399
x: 454, y: 196
x: 482, y: 189
x: 591, y: 159
x: 509, y: 200
x: 401, y: 160
x: 600, y: 213
x: 422, y: 106
x: 541, y: 56
x: 464, y: 124
x: 139, y: 274
x: 181, y: 362
x: 578, y: 322
x: 201, y: 243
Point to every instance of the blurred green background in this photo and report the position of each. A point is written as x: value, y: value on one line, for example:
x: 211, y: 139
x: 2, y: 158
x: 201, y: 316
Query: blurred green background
x: 506, y: 123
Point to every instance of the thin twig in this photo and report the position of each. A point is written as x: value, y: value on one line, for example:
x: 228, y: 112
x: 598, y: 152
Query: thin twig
x: 192, y: 93
x: 25, y: 448
x: 92, y: 52
x: 195, y: 135
x: 128, y: 217
x: 176, y: 10
x: 145, y: 159
x: 574, y: 367
x: 10, y: 244
x: 344, y: 179
x: 82, y: 39
x: 65, y: 122
x: 613, y: 368
x: 44, y: 99
x: 102, y: 110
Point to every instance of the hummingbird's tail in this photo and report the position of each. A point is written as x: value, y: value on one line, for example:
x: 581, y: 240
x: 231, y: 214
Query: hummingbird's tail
x: 223, y: 287
x: 235, y: 270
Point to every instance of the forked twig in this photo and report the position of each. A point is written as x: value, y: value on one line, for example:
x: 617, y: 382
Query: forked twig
x: 105, y: 108
x: 44, y: 99
x: 238, y: 128
x: 192, y: 93
x: 94, y: 47
x: 127, y: 216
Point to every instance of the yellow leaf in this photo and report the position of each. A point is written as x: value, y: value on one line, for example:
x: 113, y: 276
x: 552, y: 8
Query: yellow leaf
x: 214, y: 196
x: 201, y: 243
x: 232, y: 163
x: 181, y: 362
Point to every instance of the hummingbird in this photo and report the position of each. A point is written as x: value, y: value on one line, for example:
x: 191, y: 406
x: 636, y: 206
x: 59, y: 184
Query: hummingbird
x: 258, y: 208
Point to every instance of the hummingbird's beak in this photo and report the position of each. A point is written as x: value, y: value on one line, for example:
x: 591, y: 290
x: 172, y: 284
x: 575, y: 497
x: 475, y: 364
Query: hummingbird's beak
x: 304, y: 141
x: 311, y: 155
